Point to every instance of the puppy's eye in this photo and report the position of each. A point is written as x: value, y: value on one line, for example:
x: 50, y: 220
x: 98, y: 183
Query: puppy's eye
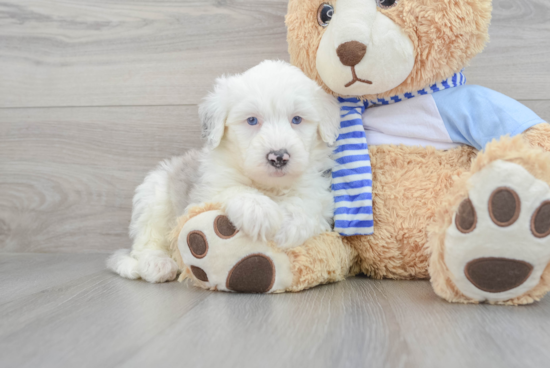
x: 252, y: 121
x: 296, y: 120
x: 324, y: 14
x: 386, y: 4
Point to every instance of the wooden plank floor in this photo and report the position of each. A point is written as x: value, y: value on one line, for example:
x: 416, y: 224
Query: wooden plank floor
x: 93, y: 93
x: 72, y: 313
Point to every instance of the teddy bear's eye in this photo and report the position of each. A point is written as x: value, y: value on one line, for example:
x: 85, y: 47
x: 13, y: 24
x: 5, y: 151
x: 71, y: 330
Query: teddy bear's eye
x: 386, y: 4
x: 324, y: 14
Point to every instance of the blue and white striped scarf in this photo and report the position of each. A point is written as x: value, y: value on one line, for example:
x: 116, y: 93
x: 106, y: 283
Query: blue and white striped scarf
x: 352, y: 174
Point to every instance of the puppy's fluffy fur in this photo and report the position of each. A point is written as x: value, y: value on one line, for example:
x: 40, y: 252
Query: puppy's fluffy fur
x: 286, y: 205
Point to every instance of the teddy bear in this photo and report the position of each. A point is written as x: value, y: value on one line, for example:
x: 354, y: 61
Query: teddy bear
x: 436, y: 179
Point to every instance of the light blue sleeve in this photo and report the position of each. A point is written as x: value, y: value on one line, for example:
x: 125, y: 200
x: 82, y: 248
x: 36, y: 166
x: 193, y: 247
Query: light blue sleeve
x: 475, y: 115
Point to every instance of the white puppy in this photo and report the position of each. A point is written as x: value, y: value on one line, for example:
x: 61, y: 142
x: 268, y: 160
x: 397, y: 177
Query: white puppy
x: 266, y: 161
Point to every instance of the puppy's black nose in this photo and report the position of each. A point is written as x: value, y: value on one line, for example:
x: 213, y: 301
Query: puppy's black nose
x: 279, y: 158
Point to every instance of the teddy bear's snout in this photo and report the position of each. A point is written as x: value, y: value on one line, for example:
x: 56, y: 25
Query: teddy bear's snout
x: 351, y: 53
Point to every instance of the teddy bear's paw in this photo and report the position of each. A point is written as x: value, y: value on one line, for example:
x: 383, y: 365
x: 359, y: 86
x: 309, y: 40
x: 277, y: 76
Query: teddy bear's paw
x: 499, y: 245
x: 221, y: 257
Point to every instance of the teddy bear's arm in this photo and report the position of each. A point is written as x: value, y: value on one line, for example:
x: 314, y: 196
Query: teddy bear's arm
x: 217, y: 256
x: 475, y: 115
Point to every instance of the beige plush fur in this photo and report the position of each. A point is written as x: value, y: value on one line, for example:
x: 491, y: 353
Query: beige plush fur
x: 408, y: 186
x: 446, y: 35
x: 322, y: 260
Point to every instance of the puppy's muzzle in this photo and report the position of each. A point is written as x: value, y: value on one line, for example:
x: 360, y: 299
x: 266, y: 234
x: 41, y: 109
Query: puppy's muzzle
x: 278, y: 159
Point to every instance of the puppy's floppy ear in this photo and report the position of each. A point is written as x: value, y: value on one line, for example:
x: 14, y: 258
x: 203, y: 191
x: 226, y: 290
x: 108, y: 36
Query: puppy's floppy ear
x: 213, y: 112
x: 329, y: 116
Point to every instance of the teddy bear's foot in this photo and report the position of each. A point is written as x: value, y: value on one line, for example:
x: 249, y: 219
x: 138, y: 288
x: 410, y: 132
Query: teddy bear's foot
x: 220, y: 257
x: 498, y: 245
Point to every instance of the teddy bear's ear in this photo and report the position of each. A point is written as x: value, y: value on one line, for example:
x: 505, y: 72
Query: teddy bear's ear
x: 329, y: 121
x: 213, y: 113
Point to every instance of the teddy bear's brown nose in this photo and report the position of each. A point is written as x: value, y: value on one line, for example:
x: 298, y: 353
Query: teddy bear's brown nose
x: 351, y: 53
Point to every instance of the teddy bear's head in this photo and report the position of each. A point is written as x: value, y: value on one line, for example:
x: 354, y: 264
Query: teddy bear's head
x: 380, y: 48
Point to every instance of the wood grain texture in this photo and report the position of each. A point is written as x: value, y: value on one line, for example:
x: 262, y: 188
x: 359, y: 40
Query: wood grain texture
x: 359, y: 322
x: 168, y: 52
x: 68, y: 175
x: 100, y: 320
x: 87, y: 320
x: 516, y: 60
x: 26, y: 274
x: 128, y: 52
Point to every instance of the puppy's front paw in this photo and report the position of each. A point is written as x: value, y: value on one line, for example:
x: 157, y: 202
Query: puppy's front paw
x: 257, y: 216
x: 292, y: 234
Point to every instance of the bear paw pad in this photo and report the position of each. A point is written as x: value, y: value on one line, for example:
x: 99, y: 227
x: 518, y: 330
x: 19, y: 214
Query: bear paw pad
x: 499, y: 244
x: 221, y: 257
